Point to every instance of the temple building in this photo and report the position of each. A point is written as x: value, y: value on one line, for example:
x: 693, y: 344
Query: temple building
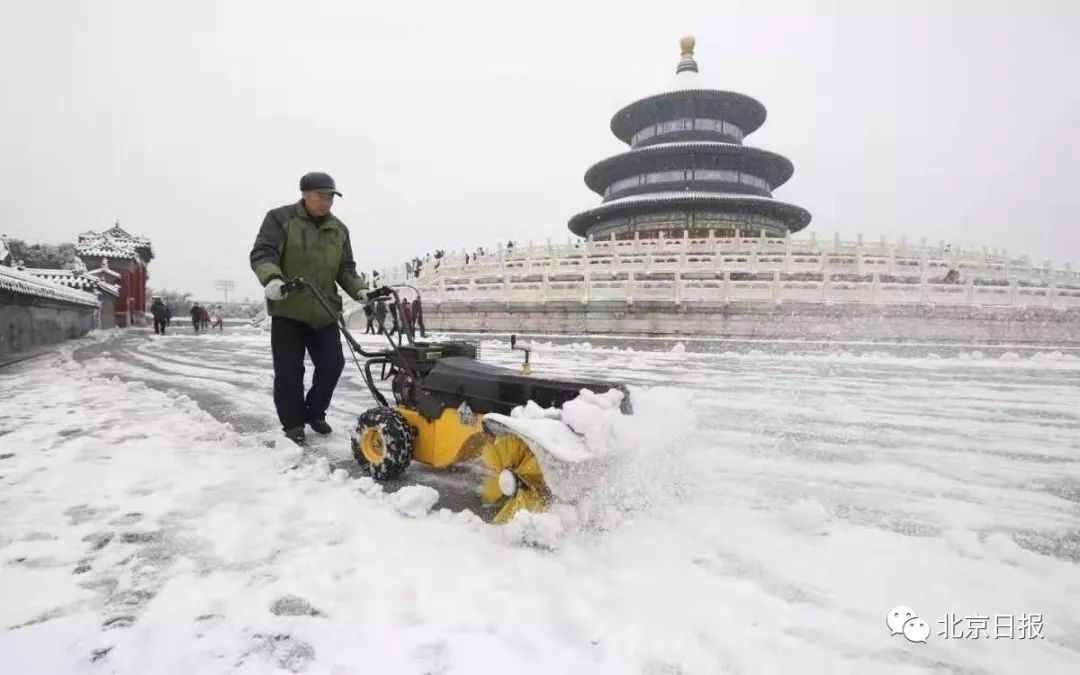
x: 119, y: 257
x: 687, y: 170
x: 688, y: 241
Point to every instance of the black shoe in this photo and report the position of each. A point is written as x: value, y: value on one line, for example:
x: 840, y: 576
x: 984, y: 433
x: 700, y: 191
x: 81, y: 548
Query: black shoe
x: 320, y: 426
x: 296, y: 435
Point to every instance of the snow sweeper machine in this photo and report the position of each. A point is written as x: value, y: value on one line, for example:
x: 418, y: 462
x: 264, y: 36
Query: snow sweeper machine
x: 449, y: 407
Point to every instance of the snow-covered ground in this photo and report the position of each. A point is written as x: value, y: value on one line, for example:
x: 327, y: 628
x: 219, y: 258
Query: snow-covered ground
x: 766, y: 511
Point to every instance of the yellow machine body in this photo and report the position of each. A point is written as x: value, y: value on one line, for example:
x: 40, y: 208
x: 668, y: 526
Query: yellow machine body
x: 515, y: 481
x: 445, y: 440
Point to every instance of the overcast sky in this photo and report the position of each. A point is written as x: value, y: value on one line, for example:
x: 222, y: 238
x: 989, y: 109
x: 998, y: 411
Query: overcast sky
x: 451, y: 124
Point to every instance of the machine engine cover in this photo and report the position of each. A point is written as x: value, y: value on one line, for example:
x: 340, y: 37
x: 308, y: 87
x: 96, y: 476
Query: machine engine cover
x: 494, y: 389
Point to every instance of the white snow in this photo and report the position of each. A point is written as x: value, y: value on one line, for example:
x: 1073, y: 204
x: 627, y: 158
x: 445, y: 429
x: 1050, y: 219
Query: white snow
x: 583, y: 443
x: 414, y: 501
x: 534, y: 529
x: 320, y: 470
x: 808, y: 516
x: 79, y: 280
x: 21, y: 282
x: 759, y: 512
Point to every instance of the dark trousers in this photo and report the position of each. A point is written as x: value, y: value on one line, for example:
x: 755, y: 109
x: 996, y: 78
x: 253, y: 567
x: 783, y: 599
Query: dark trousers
x: 159, y: 326
x: 289, y: 339
x: 195, y: 323
x: 420, y: 324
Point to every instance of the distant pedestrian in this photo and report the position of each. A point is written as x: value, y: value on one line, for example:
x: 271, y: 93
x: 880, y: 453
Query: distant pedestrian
x: 407, y: 317
x: 418, y: 316
x: 158, y: 309
x: 380, y: 316
x: 204, y: 318
x: 369, y: 314
x: 168, y: 314
x: 216, y: 320
x: 196, y: 316
x: 392, y: 310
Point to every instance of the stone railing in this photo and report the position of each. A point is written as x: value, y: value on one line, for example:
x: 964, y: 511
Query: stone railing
x: 681, y: 289
x: 746, y: 269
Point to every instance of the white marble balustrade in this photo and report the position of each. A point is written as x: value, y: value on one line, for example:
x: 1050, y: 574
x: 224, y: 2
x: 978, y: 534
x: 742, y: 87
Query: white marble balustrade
x: 673, y: 270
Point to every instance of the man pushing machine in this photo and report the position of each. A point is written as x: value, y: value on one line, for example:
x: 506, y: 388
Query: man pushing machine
x: 305, y: 240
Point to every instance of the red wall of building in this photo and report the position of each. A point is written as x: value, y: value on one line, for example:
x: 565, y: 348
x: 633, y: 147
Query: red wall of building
x: 125, y: 290
x: 132, y: 285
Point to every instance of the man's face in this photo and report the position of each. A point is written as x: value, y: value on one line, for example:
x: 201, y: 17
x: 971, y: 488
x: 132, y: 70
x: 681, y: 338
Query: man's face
x: 318, y: 204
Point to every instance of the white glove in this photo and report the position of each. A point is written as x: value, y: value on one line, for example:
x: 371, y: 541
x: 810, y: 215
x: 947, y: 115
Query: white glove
x: 275, y: 289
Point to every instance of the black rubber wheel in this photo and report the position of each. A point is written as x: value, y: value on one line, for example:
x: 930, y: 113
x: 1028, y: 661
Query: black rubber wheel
x: 383, y: 445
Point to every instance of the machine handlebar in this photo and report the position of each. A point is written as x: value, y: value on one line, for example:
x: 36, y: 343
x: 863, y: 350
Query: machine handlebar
x: 298, y: 283
x: 380, y: 356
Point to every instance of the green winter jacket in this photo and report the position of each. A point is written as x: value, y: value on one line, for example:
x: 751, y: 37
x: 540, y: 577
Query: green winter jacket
x: 291, y: 244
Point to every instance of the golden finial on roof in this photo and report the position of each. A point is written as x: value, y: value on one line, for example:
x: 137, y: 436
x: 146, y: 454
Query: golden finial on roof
x: 687, y: 64
x: 687, y: 44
